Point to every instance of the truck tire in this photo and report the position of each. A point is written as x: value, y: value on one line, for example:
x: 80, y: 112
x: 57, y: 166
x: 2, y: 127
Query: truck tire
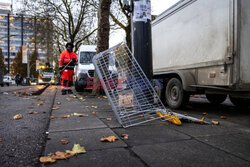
x: 175, y: 96
x: 77, y: 87
x: 216, y: 98
x: 240, y: 102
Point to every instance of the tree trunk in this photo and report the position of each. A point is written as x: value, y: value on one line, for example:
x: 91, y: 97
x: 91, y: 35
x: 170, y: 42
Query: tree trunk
x: 102, y: 32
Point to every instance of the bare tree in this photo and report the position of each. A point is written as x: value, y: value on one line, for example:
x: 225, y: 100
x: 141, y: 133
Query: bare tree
x: 103, y: 32
x: 72, y: 20
x: 122, y: 19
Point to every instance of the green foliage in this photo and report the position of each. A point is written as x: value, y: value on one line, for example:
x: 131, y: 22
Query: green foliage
x: 19, y: 67
x: 2, y: 65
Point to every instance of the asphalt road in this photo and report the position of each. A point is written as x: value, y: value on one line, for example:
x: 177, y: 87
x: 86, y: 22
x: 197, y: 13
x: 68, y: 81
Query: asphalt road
x: 23, y: 140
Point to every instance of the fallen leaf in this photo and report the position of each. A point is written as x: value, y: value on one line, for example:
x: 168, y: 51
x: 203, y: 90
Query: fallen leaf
x: 77, y: 149
x: 109, y: 139
x: 33, y: 112
x: 124, y: 136
x: 223, y: 117
x: 94, y: 112
x: 204, y: 113
x: 55, y: 108
x: 39, y: 104
x: 18, y: 116
x: 80, y: 115
x: 86, y: 106
x: 1, y: 139
x: 64, y: 141
x: 94, y: 106
x: 141, y: 115
x: 65, y: 116
x: 109, y: 119
x: 105, y: 97
x: 59, y: 103
x: 47, y: 159
x: 68, y: 99
x: 215, y: 122
x: 62, y: 155
x: 75, y: 97
x: 202, y: 119
x: 52, y: 117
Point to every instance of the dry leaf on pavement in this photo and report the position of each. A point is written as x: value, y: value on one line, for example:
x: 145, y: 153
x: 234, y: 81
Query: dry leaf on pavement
x: 18, y: 116
x: 105, y: 97
x: 141, y: 115
x: 55, y: 108
x: 1, y: 139
x: 33, y: 112
x: 223, y: 117
x: 47, y: 159
x: 68, y: 99
x: 202, y: 119
x: 109, y: 119
x: 65, y: 116
x: 94, y: 112
x: 64, y: 141
x: 215, y: 122
x: 52, y: 117
x: 80, y: 115
x: 39, y: 104
x: 109, y: 139
x: 62, y: 155
x: 77, y: 149
x: 94, y: 106
x: 124, y: 136
x: 59, y: 103
x: 86, y: 106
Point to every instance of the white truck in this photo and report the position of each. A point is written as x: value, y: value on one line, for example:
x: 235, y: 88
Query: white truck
x: 46, y: 76
x: 84, y: 67
x: 203, y: 47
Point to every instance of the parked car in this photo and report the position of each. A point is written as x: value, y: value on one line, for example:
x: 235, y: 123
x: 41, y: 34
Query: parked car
x: 8, y: 80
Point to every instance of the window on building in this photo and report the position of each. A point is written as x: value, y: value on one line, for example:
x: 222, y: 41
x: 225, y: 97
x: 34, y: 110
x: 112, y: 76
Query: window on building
x: 12, y: 18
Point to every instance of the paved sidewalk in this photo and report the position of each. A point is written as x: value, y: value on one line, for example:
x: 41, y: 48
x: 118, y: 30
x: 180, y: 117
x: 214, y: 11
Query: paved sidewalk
x: 156, y: 143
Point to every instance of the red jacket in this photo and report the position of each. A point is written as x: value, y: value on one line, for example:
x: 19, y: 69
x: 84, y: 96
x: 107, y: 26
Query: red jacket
x: 65, y: 58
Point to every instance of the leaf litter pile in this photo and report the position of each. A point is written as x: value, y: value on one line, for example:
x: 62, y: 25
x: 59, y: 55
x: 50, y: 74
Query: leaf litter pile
x: 52, y: 157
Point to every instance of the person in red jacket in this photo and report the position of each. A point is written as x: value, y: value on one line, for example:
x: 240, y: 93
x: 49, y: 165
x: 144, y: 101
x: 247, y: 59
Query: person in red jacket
x: 67, y: 63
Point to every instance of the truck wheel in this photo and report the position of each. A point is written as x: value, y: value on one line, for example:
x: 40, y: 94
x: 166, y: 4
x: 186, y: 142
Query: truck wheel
x: 240, y: 102
x: 77, y: 87
x: 216, y: 98
x: 176, y: 97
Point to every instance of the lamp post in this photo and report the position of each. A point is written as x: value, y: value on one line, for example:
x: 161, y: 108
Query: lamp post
x: 141, y: 33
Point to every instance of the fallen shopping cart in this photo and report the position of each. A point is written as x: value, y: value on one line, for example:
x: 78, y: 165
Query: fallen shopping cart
x: 130, y: 93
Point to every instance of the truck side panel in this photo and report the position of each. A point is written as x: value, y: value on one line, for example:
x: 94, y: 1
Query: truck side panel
x: 196, y: 34
x: 245, y: 42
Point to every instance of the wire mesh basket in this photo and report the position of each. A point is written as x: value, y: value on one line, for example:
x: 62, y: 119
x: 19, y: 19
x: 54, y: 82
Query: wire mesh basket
x: 131, y: 95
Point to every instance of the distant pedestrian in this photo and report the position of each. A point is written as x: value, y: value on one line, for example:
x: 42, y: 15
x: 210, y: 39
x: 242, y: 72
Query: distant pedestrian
x: 67, y: 63
x: 17, y: 79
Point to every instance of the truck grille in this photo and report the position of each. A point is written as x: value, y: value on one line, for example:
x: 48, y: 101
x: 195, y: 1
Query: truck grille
x: 46, y: 79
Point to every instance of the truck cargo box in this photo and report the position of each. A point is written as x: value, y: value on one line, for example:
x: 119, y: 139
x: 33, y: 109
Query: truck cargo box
x: 204, y: 44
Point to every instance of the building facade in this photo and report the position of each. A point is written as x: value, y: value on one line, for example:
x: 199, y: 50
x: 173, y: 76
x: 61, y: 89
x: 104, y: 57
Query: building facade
x: 15, y: 31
